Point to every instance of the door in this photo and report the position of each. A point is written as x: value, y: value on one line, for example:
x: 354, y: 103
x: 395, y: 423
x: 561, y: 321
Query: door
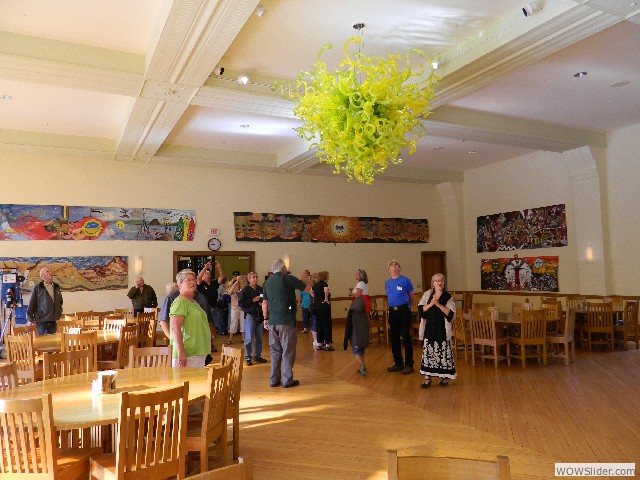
x: 432, y: 263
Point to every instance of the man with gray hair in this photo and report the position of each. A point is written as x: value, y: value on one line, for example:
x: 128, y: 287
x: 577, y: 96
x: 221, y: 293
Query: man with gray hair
x: 142, y: 296
x: 279, y: 310
x: 45, y: 304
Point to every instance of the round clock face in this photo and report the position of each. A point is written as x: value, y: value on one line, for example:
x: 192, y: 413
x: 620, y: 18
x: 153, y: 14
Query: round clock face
x: 214, y: 244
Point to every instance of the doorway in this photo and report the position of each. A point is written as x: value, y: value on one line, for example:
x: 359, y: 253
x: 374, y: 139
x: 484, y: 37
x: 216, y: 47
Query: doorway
x: 432, y: 263
x: 244, y: 262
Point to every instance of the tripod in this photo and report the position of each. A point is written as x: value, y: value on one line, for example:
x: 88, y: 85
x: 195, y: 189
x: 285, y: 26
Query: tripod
x: 8, y: 313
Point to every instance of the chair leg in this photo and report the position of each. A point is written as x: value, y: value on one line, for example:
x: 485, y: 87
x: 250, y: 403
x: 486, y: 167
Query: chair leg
x: 236, y: 436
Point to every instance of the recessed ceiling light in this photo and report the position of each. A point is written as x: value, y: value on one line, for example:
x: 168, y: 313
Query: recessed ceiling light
x: 244, y: 125
x: 621, y: 83
x: 6, y: 97
x: 243, y: 79
x: 580, y: 74
x: 438, y: 148
x: 472, y: 152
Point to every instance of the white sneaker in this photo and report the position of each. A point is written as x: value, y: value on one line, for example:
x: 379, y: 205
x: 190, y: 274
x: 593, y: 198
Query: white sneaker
x: 315, y: 344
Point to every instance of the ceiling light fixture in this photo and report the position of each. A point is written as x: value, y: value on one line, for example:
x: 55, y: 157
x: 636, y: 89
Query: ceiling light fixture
x: 362, y: 114
x: 261, y: 10
x: 244, y: 125
x: 6, y: 97
x: 243, y: 79
x: 218, y: 71
x: 621, y: 83
x: 472, y: 152
x: 580, y: 74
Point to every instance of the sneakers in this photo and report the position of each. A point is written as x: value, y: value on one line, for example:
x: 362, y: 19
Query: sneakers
x: 248, y: 361
x: 294, y: 383
x: 259, y: 360
x: 363, y: 372
x: 395, y: 368
x: 407, y: 369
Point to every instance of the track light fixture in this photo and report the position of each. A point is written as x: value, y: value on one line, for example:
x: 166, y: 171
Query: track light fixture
x: 529, y: 9
x: 218, y: 71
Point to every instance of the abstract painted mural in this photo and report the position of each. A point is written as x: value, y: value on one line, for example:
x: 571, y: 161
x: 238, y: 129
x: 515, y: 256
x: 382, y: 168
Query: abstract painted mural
x: 528, y: 273
x: 73, y: 274
x: 282, y: 227
x: 541, y: 227
x: 59, y: 222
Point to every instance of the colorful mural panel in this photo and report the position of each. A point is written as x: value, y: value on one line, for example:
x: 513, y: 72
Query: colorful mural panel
x: 282, y: 227
x: 59, y: 222
x: 541, y: 227
x: 528, y: 273
x: 73, y: 274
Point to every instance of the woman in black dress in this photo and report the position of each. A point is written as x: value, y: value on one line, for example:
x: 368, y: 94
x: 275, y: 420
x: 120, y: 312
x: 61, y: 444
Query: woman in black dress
x: 322, y: 310
x: 437, y: 308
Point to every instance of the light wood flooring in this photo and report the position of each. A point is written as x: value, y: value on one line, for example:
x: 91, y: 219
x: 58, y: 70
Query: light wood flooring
x: 338, y: 424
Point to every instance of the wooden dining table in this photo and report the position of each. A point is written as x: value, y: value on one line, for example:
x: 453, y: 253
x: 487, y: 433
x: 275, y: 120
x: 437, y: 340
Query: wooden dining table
x: 53, y: 342
x: 76, y: 406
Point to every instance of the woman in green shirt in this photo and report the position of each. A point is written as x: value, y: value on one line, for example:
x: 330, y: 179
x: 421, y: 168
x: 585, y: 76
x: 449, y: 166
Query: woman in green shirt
x: 190, y: 336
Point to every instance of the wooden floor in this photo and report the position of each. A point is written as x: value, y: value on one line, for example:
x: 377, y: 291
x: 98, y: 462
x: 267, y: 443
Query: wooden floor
x: 338, y: 424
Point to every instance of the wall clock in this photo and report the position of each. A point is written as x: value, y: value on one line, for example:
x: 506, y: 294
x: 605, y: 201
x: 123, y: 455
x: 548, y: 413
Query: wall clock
x: 214, y: 244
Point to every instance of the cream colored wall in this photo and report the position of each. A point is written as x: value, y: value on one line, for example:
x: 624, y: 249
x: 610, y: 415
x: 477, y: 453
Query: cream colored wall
x: 622, y: 209
x: 534, y: 180
x: 74, y: 181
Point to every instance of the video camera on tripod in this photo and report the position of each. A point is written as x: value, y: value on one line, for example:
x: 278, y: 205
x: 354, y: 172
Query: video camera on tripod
x: 12, y: 306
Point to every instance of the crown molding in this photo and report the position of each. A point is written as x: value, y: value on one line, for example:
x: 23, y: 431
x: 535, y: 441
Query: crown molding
x: 230, y: 99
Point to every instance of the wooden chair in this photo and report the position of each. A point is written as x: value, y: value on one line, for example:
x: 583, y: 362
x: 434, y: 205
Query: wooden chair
x: 629, y: 330
x: 82, y: 341
x: 576, y: 302
x: 467, y: 301
x: 30, y: 451
x: 111, y: 323
x: 243, y: 470
x: 69, y: 362
x: 599, y: 322
x: 376, y: 319
x: 553, y: 311
x: 234, y: 356
x: 126, y: 313
x: 152, y: 448
x: 149, y: 357
x: 213, y: 426
x: 146, y: 323
x: 484, y: 334
x: 128, y: 337
x: 533, y: 333
x: 85, y: 316
x: 65, y: 325
x: 545, y: 299
x: 462, y: 337
x: 616, y: 301
x: 483, y: 305
x: 25, y: 330
x: 20, y: 351
x: 8, y: 376
x: 415, y: 465
x: 564, y: 338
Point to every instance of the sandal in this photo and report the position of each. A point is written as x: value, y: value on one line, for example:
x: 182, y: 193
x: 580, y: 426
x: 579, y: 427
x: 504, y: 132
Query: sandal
x: 426, y: 384
x: 329, y: 348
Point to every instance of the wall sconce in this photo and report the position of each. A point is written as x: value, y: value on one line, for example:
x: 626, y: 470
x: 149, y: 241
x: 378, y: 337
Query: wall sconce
x: 137, y: 265
x: 588, y: 253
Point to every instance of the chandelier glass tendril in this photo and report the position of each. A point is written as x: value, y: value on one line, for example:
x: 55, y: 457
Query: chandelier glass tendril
x: 362, y: 115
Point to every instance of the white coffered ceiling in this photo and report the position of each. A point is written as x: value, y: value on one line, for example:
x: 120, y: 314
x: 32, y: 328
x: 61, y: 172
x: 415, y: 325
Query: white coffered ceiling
x: 124, y: 80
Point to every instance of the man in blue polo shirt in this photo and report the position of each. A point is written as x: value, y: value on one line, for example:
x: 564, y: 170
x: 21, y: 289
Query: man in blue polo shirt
x: 400, y: 298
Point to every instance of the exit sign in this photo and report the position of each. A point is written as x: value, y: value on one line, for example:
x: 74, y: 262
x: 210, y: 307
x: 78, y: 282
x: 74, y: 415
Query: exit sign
x: 214, y: 232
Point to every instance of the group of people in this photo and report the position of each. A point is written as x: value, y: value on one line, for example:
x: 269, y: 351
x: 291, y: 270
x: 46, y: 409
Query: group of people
x: 187, y: 317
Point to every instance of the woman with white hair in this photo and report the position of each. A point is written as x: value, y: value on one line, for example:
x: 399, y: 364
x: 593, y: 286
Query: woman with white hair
x: 189, y: 326
x: 437, y: 308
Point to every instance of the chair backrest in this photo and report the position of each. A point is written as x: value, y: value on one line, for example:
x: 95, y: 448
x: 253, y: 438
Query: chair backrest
x: 24, y: 330
x: 62, y: 364
x: 570, y: 324
x: 146, y: 323
x: 128, y: 337
x: 20, y: 351
x: 82, y: 341
x: 577, y: 302
x: 483, y: 306
x: 8, y: 376
x: 124, y: 312
x: 467, y: 301
x: 482, y: 326
x: 534, y: 325
x: 243, y: 470
x: 413, y: 465
x: 630, y: 314
x: 516, y: 309
x: 157, y: 444
x: 214, y: 416
x: 149, y: 357
x: 616, y: 301
x: 65, y: 325
x: 458, y: 328
x: 233, y: 356
x: 27, y: 438
x: 599, y: 315
x: 114, y: 323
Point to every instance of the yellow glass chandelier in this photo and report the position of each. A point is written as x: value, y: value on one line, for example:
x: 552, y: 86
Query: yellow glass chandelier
x: 362, y: 115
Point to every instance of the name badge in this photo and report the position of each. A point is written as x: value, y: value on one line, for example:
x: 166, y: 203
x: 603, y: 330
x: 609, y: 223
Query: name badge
x: 399, y: 288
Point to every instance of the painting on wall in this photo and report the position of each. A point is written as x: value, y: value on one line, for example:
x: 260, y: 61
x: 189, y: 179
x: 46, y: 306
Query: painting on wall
x: 60, y: 222
x: 518, y: 274
x: 282, y: 227
x: 541, y: 227
x: 73, y: 274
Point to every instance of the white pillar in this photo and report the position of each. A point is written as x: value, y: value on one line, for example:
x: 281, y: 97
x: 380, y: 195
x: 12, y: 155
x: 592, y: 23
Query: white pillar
x: 451, y: 195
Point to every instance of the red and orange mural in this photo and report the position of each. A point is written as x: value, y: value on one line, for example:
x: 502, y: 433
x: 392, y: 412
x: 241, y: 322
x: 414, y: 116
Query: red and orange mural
x: 527, y: 273
x: 283, y: 227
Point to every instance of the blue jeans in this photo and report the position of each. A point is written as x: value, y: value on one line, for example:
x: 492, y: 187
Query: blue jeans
x: 306, y: 318
x: 252, y: 329
x: 45, y: 328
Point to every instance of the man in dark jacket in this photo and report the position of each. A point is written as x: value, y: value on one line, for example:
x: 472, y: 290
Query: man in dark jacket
x: 249, y: 300
x: 142, y: 296
x: 45, y: 305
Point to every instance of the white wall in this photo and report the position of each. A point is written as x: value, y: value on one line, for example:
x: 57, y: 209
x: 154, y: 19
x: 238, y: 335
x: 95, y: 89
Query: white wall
x: 215, y: 194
